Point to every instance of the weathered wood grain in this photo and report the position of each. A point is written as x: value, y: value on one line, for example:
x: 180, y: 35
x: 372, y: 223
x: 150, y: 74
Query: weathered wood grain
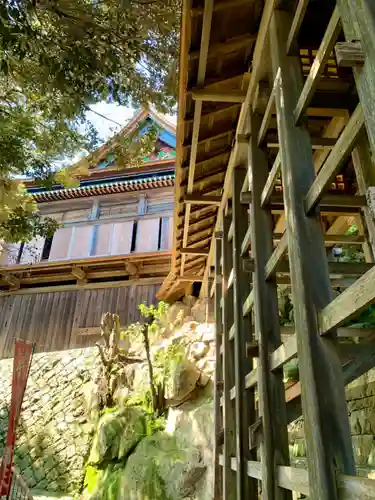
x: 335, y: 160
x: 324, y: 52
x: 272, y: 409
x: 55, y: 320
x: 320, y: 368
x: 218, y: 416
x: 351, y: 302
x: 358, y: 21
x: 245, y: 407
x: 229, y: 417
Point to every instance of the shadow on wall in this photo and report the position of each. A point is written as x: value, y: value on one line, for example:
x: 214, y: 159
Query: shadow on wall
x: 53, y: 434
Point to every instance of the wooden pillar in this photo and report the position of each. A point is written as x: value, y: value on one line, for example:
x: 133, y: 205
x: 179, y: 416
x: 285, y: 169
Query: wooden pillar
x: 218, y: 417
x: 326, y: 423
x: 365, y: 173
x: 358, y: 21
x: 274, y: 448
x: 245, y: 400
x: 229, y: 478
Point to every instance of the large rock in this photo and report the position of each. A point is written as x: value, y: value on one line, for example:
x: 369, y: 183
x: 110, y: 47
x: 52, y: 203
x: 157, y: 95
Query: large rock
x: 159, y: 469
x: 192, y: 424
x: 117, y: 434
x: 183, y: 382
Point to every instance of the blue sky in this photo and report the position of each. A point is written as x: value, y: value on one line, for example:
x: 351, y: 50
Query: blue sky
x: 119, y: 114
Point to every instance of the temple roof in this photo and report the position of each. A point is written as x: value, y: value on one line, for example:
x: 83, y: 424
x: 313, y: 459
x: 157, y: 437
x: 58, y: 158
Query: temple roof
x: 105, y: 177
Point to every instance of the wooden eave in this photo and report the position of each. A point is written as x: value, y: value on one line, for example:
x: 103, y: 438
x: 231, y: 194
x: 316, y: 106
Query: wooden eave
x: 218, y: 56
x: 121, y: 186
x: 92, y: 272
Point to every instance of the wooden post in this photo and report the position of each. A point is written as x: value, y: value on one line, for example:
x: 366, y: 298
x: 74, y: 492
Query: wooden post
x: 329, y: 447
x: 218, y: 417
x: 229, y: 479
x: 365, y: 173
x: 358, y: 21
x: 245, y: 400
x: 272, y: 408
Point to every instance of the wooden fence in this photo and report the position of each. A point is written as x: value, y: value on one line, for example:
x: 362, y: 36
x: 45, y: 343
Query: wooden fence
x: 63, y: 320
x: 252, y: 406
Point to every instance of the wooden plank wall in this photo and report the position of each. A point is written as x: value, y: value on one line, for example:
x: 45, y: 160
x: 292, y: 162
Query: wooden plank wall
x: 49, y: 318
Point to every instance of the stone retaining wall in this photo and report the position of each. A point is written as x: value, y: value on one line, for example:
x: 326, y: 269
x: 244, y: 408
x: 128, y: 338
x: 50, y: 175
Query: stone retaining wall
x: 54, y: 436
x: 360, y: 396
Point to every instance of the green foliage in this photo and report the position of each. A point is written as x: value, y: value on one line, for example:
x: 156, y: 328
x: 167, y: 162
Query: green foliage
x: 92, y: 478
x: 156, y: 313
x: 166, y: 361
x: 22, y: 225
x: 58, y: 57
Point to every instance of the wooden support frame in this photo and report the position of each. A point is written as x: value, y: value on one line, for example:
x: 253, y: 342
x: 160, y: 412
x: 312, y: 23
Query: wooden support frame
x: 328, y: 435
x: 245, y: 410
x: 202, y: 199
x: 237, y: 96
x: 194, y: 251
x: 219, y: 375
x: 296, y: 24
x: 339, y: 154
x: 205, y: 40
x: 266, y: 319
x: 324, y: 52
x: 320, y: 368
x: 230, y: 487
x: 358, y: 21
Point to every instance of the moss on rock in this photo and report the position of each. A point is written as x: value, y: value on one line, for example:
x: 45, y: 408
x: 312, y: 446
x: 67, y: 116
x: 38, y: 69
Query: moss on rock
x: 117, y: 434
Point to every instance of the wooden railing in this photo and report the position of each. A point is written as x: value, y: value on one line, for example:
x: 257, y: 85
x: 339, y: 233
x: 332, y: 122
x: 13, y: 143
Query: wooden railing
x: 252, y: 405
x: 19, y: 489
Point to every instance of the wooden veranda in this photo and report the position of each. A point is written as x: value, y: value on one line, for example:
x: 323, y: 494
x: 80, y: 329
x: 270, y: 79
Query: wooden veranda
x: 276, y: 147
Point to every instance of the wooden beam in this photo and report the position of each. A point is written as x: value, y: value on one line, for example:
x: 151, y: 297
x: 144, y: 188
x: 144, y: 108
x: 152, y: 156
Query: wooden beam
x: 329, y: 204
x: 317, y: 143
x: 365, y: 174
x: 202, y: 200
x: 319, y: 364
x: 219, y: 372
x: 205, y: 140
x: 296, y: 24
x: 194, y: 251
x: 205, y: 40
x: 78, y: 272
x: 248, y: 304
x: 339, y: 154
x: 268, y: 113
x: 244, y: 408
x: 88, y: 286
x: 271, y: 180
x: 333, y: 130
x: 10, y: 279
x: 219, y: 95
x: 276, y: 256
x: 259, y: 73
x: 210, y: 114
x: 226, y: 4
x: 272, y: 408
x: 349, y: 54
x: 321, y: 58
x: 358, y: 21
x: 191, y: 278
x: 350, y: 303
x: 230, y: 483
x: 207, y: 176
x: 229, y: 45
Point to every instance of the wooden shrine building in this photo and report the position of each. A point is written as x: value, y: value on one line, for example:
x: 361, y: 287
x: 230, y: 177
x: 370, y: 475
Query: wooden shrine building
x: 110, y: 253
x: 275, y: 167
